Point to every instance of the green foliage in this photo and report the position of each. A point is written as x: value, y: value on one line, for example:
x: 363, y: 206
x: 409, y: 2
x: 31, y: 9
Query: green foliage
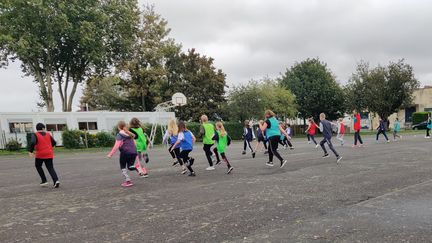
x: 251, y: 100
x: 72, y: 139
x: 419, y: 117
x: 66, y: 41
x: 105, y: 139
x: 315, y: 89
x: 28, y: 139
x: 13, y: 145
x: 382, y: 90
x: 89, y: 139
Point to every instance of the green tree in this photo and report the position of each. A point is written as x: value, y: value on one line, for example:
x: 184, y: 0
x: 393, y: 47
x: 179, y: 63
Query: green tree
x: 66, y: 41
x: 105, y: 93
x: 251, y: 100
x: 381, y: 90
x: 315, y: 89
x: 203, y: 85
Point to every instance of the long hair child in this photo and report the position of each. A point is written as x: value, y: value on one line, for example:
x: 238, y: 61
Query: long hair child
x: 396, y: 129
x: 341, y: 131
x: 248, y: 136
x: 223, y: 140
x: 171, y: 134
x: 207, y: 132
x: 128, y: 151
x: 261, y: 138
x: 311, y: 131
x: 185, y: 139
x: 142, y: 142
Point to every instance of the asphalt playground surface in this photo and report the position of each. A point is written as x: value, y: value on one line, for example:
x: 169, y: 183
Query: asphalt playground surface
x: 379, y: 193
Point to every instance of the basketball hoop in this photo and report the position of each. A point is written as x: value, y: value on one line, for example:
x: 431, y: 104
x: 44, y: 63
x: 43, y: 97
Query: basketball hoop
x: 179, y: 99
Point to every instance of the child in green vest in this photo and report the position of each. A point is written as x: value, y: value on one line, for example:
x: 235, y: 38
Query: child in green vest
x: 142, y: 143
x: 223, y: 140
x: 207, y: 132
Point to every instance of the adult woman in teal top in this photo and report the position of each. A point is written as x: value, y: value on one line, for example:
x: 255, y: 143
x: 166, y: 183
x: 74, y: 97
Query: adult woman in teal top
x: 273, y: 131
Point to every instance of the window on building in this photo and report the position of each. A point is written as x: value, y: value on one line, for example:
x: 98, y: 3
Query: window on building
x: 55, y: 127
x: 428, y: 109
x: 20, y: 127
x: 89, y: 126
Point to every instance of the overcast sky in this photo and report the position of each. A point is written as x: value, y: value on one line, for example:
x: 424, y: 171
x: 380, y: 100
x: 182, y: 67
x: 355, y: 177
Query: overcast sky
x: 250, y: 39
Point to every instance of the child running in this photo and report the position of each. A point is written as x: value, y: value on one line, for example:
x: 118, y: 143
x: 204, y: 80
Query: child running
x: 142, y: 142
x: 327, y: 131
x: 261, y: 138
x: 223, y: 140
x: 311, y: 131
x: 171, y: 134
x: 41, y: 148
x: 273, y: 131
x: 207, y: 132
x: 248, y: 136
x: 128, y: 152
x: 186, y: 140
x: 382, y: 130
x: 357, y: 128
x: 289, y: 131
x: 428, y: 126
x: 341, y: 131
x: 396, y: 129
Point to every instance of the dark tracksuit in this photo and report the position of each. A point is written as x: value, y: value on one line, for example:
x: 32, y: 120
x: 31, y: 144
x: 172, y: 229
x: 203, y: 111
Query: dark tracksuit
x: 382, y: 129
x: 327, y: 131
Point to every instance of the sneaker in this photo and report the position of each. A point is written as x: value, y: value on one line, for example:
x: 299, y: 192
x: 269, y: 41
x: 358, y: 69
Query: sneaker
x: 183, y: 171
x: 292, y: 147
x: 283, y: 163
x: 191, y: 161
x: 230, y: 169
x: 146, y: 158
x: 132, y: 167
x: 192, y: 174
x: 253, y: 155
x: 44, y: 184
x: 244, y: 152
x: 309, y: 142
x: 338, y: 159
x: 175, y: 163
x: 427, y: 137
x: 143, y: 175
x: 285, y: 147
x: 316, y: 146
x: 326, y: 155
x: 210, y: 168
x: 270, y: 164
x: 265, y: 152
x: 217, y: 162
x: 127, y: 184
x: 388, y: 141
x: 57, y: 184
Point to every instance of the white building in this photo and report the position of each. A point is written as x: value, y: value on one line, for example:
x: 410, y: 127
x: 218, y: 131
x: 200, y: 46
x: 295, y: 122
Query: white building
x: 15, y: 125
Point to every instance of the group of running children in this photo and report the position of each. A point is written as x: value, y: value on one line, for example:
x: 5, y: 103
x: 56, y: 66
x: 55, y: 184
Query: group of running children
x: 133, y: 143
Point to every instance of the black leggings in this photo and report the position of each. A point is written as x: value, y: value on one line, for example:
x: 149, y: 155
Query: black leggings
x: 223, y: 157
x: 328, y: 141
x: 312, y: 137
x: 357, y: 137
x: 50, y: 167
x: 127, y: 161
x: 175, y: 154
x: 427, y: 132
x: 383, y: 132
x: 272, y: 148
x: 184, y: 155
x: 246, y: 143
x: 208, y: 153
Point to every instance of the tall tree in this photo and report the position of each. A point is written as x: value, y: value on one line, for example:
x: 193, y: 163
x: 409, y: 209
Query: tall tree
x: 315, y: 88
x: 105, y: 93
x: 66, y: 41
x: 381, y: 90
x: 145, y: 70
x: 203, y: 85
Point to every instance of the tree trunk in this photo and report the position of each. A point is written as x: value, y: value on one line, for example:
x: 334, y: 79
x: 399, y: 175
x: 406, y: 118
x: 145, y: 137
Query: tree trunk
x: 71, y: 96
x: 45, y: 93
x: 143, y: 101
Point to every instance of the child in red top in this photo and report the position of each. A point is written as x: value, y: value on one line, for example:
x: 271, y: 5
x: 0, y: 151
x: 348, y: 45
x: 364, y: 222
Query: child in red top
x: 311, y: 130
x: 42, y: 144
x: 341, y: 131
x: 357, y: 128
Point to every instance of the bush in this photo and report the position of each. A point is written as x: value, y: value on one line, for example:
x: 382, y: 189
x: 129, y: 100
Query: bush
x: 89, y: 140
x: 28, y: 139
x: 104, y: 139
x: 72, y: 139
x: 13, y: 145
x: 419, y: 117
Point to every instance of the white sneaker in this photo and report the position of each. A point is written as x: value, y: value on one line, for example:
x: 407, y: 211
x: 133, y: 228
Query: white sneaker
x: 309, y: 142
x: 316, y: 146
x: 44, y: 184
x: 210, y: 168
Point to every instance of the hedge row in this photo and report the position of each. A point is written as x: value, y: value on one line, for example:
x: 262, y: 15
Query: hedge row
x: 73, y: 139
x: 419, y: 117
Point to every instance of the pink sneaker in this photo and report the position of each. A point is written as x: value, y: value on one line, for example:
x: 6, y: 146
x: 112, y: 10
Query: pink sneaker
x: 127, y: 184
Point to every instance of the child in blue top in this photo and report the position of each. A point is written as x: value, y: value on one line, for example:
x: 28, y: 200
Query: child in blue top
x: 248, y: 137
x: 396, y: 129
x: 171, y: 136
x: 185, y: 140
